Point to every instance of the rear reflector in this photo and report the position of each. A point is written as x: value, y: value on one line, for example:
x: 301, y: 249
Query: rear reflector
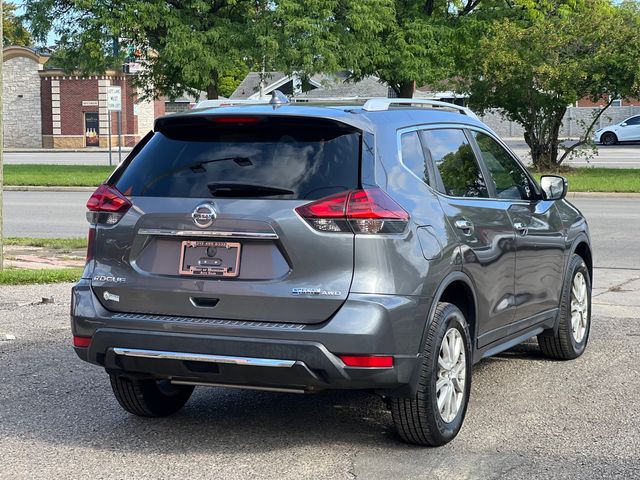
x: 369, y: 211
x: 91, y: 238
x: 367, y: 361
x: 107, y: 205
x: 81, y: 342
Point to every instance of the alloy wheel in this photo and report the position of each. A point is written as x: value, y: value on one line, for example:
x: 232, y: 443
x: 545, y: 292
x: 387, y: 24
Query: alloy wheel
x: 579, y: 307
x: 450, y: 383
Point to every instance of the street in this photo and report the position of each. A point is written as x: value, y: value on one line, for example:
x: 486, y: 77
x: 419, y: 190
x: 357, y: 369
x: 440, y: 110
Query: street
x: 617, y: 156
x: 62, y: 214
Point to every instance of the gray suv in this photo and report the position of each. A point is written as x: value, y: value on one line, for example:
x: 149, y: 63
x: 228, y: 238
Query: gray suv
x: 297, y: 248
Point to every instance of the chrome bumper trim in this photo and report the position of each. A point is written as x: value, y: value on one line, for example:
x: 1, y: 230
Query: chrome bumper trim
x: 241, y: 387
x: 158, y: 232
x: 203, y: 357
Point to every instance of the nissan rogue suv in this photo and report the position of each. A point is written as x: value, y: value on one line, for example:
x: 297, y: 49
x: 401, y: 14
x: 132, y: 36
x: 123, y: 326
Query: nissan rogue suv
x: 296, y: 248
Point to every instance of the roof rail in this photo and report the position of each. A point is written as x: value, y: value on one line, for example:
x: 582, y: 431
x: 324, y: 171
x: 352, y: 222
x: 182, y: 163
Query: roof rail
x: 382, y: 104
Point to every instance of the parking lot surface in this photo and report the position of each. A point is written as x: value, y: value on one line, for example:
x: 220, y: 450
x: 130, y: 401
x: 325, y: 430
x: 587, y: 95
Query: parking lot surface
x: 529, y: 417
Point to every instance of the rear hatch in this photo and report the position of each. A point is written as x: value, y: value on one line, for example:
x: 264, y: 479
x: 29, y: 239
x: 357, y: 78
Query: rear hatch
x: 212, y: 231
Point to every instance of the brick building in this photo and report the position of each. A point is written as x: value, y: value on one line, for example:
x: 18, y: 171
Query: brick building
x: 47, y: 108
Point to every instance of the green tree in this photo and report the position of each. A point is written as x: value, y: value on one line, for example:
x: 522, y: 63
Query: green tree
x: 189, y: 45
x: 545, y: 56
x: 407, y: 42
x: 13, y: 31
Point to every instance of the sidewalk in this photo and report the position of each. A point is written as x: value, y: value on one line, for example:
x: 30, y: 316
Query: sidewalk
x: 66, y: 150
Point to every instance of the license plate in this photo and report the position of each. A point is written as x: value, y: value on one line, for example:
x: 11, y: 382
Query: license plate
x: 210, y: 259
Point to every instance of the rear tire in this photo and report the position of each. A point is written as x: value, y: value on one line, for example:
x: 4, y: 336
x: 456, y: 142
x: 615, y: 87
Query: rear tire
x: 608, y: 138
x: 574, y: 324
x: 149, y: 398
x: 428, y: 418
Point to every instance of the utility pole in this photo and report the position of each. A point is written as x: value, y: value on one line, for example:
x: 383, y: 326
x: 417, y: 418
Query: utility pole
x: 1, y: 133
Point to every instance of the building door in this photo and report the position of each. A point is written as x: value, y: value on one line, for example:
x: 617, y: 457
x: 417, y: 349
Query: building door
x: 91, y: 129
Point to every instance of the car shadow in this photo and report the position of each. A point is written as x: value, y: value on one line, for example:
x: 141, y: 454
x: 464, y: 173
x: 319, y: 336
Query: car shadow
x: 78, y: 408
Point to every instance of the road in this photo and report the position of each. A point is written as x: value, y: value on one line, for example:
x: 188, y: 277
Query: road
x: 529, y: 417
x: 618, y: 156
x: 62, y: 214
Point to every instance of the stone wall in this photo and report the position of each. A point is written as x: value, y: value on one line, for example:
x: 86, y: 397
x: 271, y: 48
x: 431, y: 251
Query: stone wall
x: 146, y: 116
x: 573, y: 123
x: 22, y: 119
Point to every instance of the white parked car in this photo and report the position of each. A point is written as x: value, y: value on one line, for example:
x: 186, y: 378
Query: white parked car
x: 625, y: 131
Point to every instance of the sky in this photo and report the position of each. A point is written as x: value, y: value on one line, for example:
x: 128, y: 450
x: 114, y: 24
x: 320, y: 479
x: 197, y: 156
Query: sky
x: 51, y: 39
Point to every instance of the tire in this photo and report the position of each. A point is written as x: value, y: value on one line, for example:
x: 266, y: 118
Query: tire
x: 149, y: 398
x: 608, y: 138
x: 571, y: 338
x: 418, y: 420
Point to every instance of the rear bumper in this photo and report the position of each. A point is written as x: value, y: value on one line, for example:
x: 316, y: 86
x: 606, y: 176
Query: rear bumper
x: 306, y: 355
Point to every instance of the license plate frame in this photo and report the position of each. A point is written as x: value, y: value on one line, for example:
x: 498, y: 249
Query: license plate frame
x: 206, y: 265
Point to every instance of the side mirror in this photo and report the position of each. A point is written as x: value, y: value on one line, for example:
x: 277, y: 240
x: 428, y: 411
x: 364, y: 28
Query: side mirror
x: 554, y: 187
x: 623, y: 124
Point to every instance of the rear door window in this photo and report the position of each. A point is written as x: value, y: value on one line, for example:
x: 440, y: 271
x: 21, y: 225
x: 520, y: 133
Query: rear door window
x: 456, y: 163
x: 413, y: 156
x: 278, y: 157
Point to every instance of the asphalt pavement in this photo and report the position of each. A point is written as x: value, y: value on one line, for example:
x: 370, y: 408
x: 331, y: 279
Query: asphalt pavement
x: 62, y: 214
x: 528, y: 418
x: 617, y: 156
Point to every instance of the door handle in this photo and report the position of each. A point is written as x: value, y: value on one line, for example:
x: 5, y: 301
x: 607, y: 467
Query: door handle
x: 521, y: 228
x: 465, y: 225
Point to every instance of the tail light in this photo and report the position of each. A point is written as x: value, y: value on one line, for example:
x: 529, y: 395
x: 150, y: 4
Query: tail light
x: 107, y: 206
x: 369, y: 211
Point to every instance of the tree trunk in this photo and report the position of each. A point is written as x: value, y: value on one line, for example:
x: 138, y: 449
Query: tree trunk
x: 407, y: 88
x: 542, y: 137
x: 212, y: 88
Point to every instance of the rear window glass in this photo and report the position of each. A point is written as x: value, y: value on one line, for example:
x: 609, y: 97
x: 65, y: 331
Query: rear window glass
x: 284, y: 158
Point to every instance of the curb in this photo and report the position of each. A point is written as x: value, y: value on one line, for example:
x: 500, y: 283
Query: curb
x: 571, y: 195
x: 31, y: 188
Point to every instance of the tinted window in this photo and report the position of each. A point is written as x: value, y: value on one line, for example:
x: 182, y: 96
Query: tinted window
x: 413, y: 155
x: 293, y: 158
x: 633, y: 121
x: 509, y: 178
x: 456, y: 163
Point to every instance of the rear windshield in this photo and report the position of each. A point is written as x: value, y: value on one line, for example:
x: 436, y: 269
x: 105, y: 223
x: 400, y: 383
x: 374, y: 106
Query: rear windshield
x: 282, y: 157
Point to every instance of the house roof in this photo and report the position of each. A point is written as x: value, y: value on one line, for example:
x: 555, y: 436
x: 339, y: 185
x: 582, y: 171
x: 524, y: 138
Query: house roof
x: 251, y: 83
x: 339, y: 86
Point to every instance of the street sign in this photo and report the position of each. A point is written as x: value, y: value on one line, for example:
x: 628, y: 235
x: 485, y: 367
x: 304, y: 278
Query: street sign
x: 114, y: 98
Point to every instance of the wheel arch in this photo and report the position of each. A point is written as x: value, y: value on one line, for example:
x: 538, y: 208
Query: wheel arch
x: 582, y: 248
x: 456, y: 288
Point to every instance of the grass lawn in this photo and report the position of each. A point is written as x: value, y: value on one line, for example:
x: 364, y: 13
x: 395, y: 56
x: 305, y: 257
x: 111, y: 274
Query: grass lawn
x: 601, y: 179
x: 22, y: 276
x: 64, y: 244
x: 56, y: 175
x: 580, y: 179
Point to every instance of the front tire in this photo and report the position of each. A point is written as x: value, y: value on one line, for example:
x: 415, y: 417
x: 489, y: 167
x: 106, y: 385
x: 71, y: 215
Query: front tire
x: 435, y: 415
x: 574, y: 324
x: 608, y: 138
x: 149, y: 398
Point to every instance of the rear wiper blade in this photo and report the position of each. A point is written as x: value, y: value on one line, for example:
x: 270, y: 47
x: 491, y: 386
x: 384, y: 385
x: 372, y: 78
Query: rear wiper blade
x: 227, y: 189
